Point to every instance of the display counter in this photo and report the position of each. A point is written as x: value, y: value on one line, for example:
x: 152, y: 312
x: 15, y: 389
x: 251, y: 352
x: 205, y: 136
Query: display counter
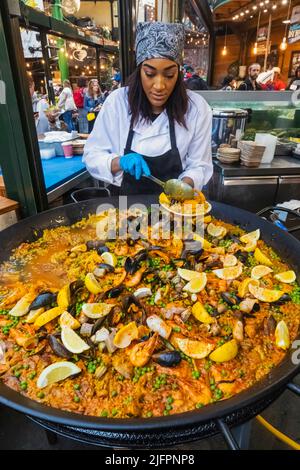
x: 255, y: 188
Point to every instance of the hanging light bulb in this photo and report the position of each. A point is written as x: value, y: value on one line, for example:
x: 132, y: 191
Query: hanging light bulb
x: 224, y: 51
x: 283, y: 45
x: 255, y: 49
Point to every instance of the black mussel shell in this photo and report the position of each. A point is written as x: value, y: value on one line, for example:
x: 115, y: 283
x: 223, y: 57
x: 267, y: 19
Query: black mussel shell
x: 230, y: 299
x: 98, y: 324
x: 284, y: 298
x: 102, y: 249
x: 242, y: 256
x: 256, y: 308
x: 130, y: 266
x: 129, y: 300
x: 141, y: 255
x: 58, y: 348
x: 43, y: 300
x: 94, y: 244
x: 114, y: 292
x: 75, y: 287
x: 192, y: 247
x: 167, y: 358
x: 234, y: 238
x: 108, y: 267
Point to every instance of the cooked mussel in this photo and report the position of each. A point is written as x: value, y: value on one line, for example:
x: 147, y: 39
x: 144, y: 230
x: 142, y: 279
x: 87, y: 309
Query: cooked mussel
x: 44, y: 299
x: 167, y: 358
x: 284, y: 298
x: 128, y: 301
x: 102, y: 269
x: 230, y: 299
x: 95, y: 244
x: 242, y: 256
x: 132, y: 264
x: 191, y: 247
x: 114, y: 292
x: 58, y: 348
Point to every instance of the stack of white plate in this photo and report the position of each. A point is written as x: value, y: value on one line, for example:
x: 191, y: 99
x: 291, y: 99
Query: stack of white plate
x: 228, y: 155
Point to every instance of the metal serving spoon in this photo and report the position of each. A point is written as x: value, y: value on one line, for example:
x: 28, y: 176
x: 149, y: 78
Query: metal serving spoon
x: 176, y: 189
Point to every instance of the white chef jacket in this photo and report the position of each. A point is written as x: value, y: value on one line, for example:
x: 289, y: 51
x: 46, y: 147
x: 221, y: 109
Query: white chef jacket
x: 108, y: 139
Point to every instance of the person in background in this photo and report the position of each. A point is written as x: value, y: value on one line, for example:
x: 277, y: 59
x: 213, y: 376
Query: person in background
x: 277, y: 84
x: 294, y: 85
x: 196, y: 82
x: 40, y: 106
x: 93, y: 101
x: 250, y: 83
x: 67, y: 105
x: 229, y: 83
x: 188, y: 72
x: 78, y: 95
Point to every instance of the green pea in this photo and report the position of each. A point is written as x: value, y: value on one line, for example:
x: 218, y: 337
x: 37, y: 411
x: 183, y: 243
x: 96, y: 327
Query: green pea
x: 17, y: 374
x: 199, y: 405
x: 23, y: 385
x: 114, y: 393
x: 168, y: 407
x: 76, y: 399
x: 32, y: 375
x: 114, y: 411
x: 76, y: 387
x: 104, y: 414
x: 149, y: 414
x: 41, y: 395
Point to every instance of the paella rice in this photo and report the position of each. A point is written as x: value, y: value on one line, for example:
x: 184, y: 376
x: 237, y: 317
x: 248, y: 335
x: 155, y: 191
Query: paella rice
x: 157, y: 327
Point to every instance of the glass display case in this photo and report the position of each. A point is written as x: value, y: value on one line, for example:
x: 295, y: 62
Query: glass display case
x: 274, y: 112
x: 253, y: 189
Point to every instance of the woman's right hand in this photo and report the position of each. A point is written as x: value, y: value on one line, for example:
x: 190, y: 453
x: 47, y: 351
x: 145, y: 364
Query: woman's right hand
x: 135, y: 165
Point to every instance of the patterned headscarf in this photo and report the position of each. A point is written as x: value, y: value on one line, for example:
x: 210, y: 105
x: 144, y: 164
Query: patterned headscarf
x: 159, y: 41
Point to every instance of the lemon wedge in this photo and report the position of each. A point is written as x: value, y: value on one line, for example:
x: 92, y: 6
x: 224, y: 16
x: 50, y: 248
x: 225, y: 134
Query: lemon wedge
x: 226, y: 352
x: 205, y: 244
x: 260, y: 271
x: 197, y: 284
x: 22, y: 306
x: 250, y: 247
x: 187, y: 274
x: 109, y: 258
x: 261, y: 258
x: 282, y: 335
x: 48, y: 316
x: 66, y: 319
x: 201, y: 314
x: 34, y: 314
x: 96, y: 311
x: 229, y: 261
x: 126, y: 335
x: 57, y: 372
x: 163, y: 199
x: 265, y: 295
x: 244, y: 286
x: 64, y: 297
x: 194, y: 349
x: 72, y: 341
x: 92, y: 284
x: 287, y: 277
x: 228, y: 274
x: 251, y: 237
x: 216, y: 231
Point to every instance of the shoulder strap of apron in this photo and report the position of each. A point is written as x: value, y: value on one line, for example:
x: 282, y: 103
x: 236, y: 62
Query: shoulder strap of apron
x: 172, y: 133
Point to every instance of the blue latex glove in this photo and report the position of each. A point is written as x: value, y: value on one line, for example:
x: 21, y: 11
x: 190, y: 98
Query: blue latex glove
x: 135, y: 165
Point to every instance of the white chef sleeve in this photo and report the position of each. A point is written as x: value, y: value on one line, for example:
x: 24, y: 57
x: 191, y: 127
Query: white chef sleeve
x: 199, y: 166
x: 103, y: 145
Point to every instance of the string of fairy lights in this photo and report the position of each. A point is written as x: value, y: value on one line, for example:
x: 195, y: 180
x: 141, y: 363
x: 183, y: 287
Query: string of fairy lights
x: 261, y: 8
x: 35, y: 66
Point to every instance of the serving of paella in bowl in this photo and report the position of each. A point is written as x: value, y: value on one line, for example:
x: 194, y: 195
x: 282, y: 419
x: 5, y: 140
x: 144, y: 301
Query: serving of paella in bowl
x: 144, y: 327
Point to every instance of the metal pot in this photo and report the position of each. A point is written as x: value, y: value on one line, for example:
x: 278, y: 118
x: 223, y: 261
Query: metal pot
x: 166, y: 430
x: 227, y: 123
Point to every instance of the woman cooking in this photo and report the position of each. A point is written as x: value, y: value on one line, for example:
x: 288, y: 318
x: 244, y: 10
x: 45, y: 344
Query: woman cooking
x: 154, y: 125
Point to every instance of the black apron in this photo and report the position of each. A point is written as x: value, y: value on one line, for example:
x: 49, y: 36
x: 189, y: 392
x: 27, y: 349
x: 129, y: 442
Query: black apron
x: 164, y: 167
